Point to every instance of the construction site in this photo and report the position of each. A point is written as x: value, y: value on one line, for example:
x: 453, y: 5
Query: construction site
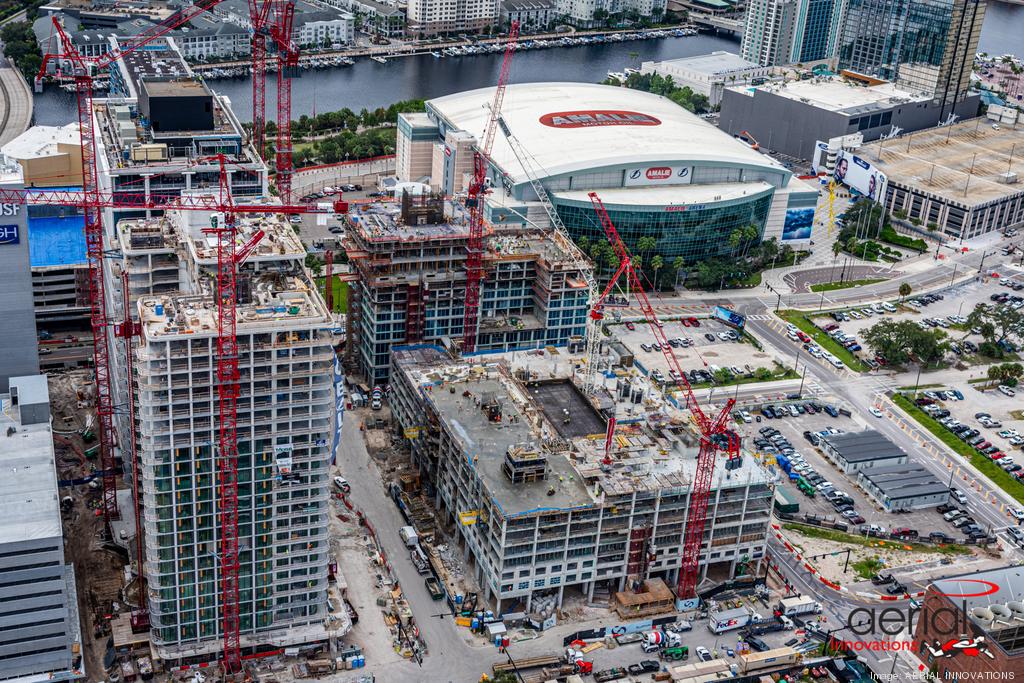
x: 409, y: 271
x: 205, y: 512
x: 538, y: 505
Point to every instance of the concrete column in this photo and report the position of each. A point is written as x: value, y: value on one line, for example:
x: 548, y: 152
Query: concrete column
x: 590, y: 591
x: 561, y: 591
x: 497, y: 606
x: 145, y: 190
x: 188, y: 179
x: 732, y: 569
x: 622, y: 584
x: 529, y: 600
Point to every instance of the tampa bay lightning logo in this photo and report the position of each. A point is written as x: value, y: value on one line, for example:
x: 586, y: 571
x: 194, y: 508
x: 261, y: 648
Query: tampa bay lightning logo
x: 683, y: 172
x: 634, y: 174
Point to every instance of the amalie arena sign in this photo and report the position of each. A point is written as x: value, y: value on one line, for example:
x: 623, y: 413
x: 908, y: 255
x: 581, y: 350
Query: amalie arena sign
x: 600, y: 117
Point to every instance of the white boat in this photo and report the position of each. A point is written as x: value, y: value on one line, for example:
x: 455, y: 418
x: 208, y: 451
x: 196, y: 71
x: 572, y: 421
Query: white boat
x: 347, y: 61
x: 437, y: 55
x: 378, y: 58
x: 617, y: 76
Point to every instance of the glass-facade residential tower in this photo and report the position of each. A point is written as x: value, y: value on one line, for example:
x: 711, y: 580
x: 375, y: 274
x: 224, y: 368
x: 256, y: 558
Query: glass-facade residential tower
x: 925, y: 46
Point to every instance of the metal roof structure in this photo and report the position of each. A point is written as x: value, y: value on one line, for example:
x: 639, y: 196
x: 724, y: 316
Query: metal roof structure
x: 600, y: 125
x: 901, y: 482
x: 28, y: 487
x: 866, y: 446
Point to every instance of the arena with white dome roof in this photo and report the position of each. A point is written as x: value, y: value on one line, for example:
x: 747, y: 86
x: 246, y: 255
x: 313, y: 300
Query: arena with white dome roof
x: 660, y: 170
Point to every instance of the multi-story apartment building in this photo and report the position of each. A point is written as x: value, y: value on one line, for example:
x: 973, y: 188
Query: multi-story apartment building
x: 536, y: 506
x: 781, y: 32
x: 925, y: 46
x: 40, y: 633
x: 431, y: 17
x: 160, y: 130
x: 411, y: 281
x: 285, y: 419
x: 584, y: 13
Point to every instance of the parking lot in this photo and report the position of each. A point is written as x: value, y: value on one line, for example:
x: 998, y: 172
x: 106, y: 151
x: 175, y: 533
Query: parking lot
x: 947, y: 310
x: 708, y: 347
x: 817, y: 471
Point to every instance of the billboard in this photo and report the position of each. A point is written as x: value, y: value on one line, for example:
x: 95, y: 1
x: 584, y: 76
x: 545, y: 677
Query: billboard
x: 819, y: 157
x: 858, y: 174
x: 799, y: 224
x: 728, y: 317
x: 657, y: 175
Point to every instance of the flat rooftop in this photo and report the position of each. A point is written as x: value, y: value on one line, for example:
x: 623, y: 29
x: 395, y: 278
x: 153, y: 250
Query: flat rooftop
x: 566, y: 409
x: 382, y: 221
x: 865, y: 446
x: 28, y: 487
x: 176, y: 88
x: 717, y: 63
x: 41, y: 141
x: 1005, y: 603
x: 658, y: 454
x: 899, y: 482
x: 279, y: 241
x: 838, y: 95
x: 485, y: 443
x: 155, y: 62
x: 962, y: 164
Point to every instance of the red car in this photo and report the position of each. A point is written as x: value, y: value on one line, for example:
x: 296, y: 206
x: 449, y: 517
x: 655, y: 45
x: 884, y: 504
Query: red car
x: 802, y: 336
x: 630, y: 326
x: 998, y: 455
x: 694, y: 322
x: 686, y: 322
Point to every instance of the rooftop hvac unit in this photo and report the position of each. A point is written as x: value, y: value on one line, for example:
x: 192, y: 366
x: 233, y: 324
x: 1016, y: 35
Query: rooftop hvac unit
x: 1008, y: 178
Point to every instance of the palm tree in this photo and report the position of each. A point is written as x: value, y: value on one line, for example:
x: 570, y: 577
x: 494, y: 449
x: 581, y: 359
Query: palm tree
x: 677, y: 265
x: 836, y: 248
x: 657, y: 263
x: 905, y: 291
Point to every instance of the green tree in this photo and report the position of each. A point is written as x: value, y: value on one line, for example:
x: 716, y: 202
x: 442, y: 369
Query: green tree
x: 677, y: 265
x: 905, y: 290
x: 657, y: 263
x: 837, y: 247
x: 903, y: 340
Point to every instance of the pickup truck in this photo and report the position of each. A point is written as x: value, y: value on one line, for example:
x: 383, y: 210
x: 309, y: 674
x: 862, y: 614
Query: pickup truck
x: 434, y: 588
x: 613, y: 674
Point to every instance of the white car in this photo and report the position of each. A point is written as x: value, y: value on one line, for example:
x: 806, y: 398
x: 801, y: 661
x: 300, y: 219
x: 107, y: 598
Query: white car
x: 1006, y: 391
x: 723, y: 336
x: 875, y: 411
x: 1017, y: 513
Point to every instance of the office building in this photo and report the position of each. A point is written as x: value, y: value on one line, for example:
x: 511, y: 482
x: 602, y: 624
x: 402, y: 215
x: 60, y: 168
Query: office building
x: 923, y: 46
x: 790, y: 117
x: 409, y: 282
x: 536, y: 508
x: 660, y: 170
x: 581, y: 13
x: 984, y: 605
x: 51, y: 159
x: 40, y: 632
x: 425, y: 18
x: 710, y: 74
x: 285, y: 419
x: 17, y: 309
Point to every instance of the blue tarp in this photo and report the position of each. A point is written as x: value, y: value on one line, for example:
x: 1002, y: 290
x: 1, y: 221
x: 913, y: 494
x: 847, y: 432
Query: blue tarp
x: 56, y: 241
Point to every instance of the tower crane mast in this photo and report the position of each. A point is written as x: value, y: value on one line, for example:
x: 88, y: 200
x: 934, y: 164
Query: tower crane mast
x: 714, y: 433
x: 475, y: 199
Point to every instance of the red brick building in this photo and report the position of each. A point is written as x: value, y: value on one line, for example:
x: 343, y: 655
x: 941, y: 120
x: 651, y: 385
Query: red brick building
x: 987, y: 605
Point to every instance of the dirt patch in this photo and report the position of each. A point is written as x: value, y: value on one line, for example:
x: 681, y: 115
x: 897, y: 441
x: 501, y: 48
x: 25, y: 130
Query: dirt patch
x: 891, y: 555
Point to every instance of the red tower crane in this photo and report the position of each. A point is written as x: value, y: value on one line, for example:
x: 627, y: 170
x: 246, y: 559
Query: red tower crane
x: 714, y: 433
x: 259, y: 17
x: 83, y: 70
x: 329, y: 280
x: 475, y: 196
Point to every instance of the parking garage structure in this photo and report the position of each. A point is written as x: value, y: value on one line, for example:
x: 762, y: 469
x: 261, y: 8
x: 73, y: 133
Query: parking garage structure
x: 537, y: 509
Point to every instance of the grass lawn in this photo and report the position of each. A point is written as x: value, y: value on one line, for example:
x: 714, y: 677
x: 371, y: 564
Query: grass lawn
x: 776, y: 375
x: 991, y: 470
x: 1017, y: 414
x: 823, y: 340
x: 868, y: 542
x: 830, y: 286
x: 340, y: 294
x: 867, y: 567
